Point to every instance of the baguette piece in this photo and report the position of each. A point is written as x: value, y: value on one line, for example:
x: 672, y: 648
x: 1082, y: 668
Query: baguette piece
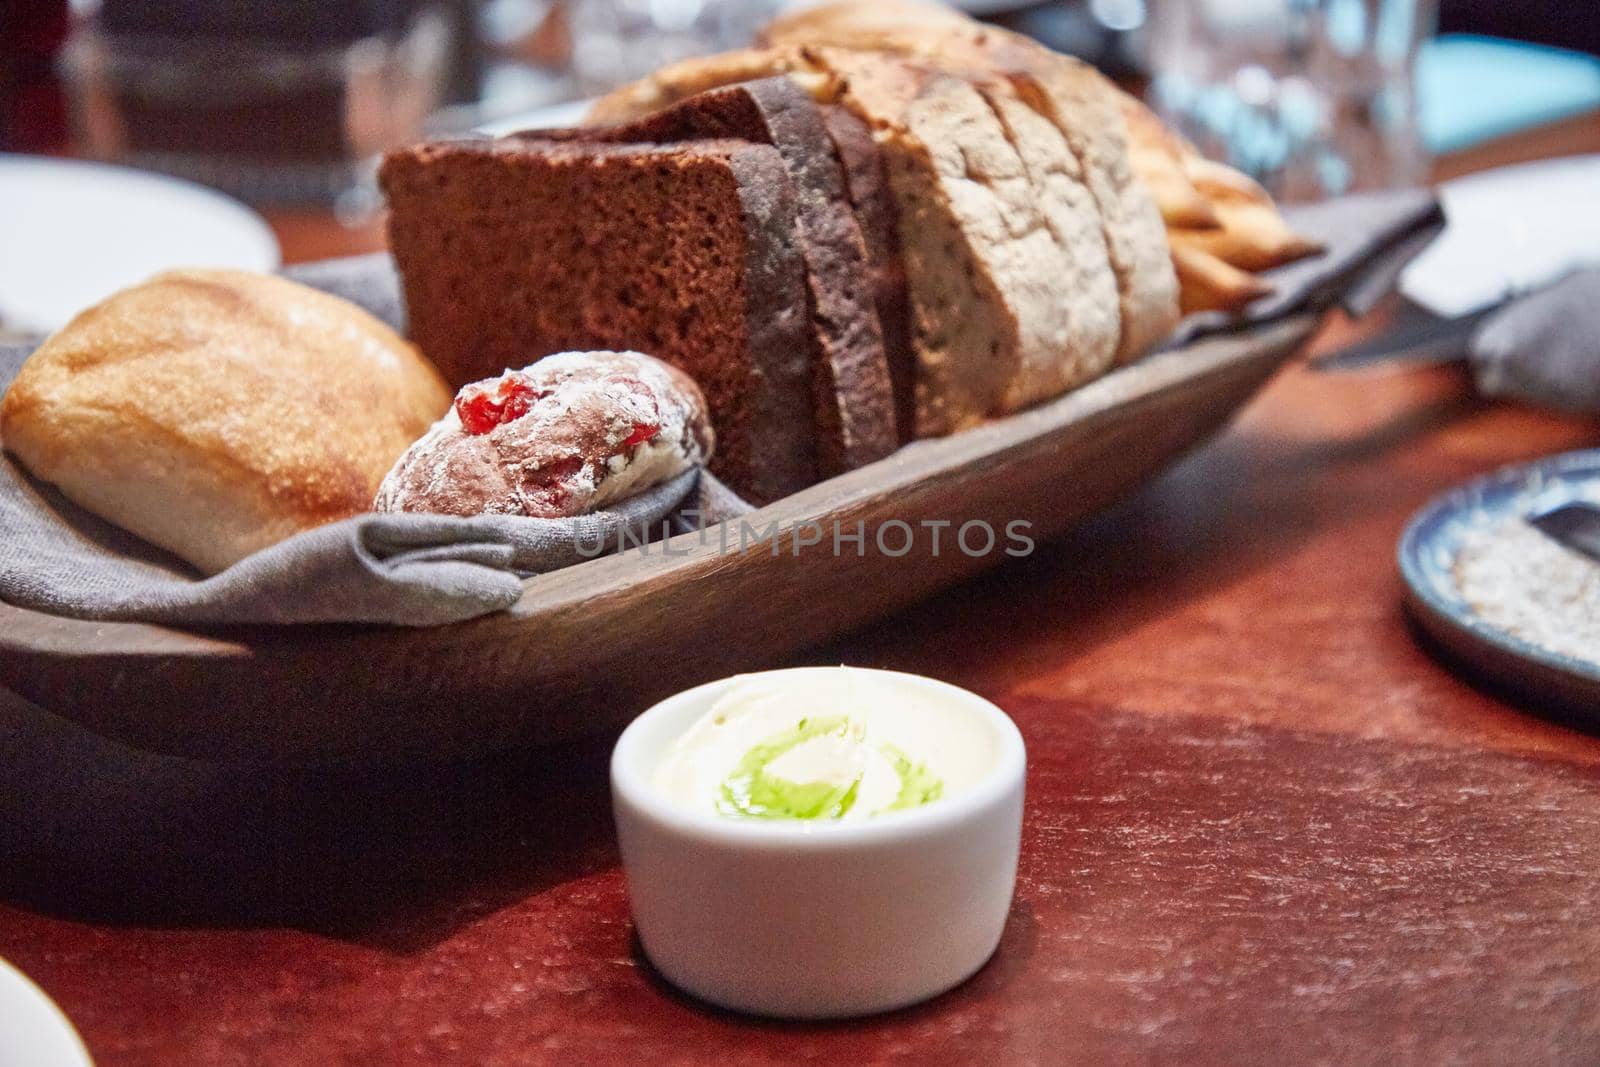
x: 1250, y: 234
x: 1210, y: 283
x: 518, y: 248
x: 214, y: 413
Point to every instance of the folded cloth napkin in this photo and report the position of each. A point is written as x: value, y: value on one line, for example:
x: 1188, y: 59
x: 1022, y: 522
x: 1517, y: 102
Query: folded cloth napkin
x: 370, y: 281
x: 408, y: 570
x: 1545, y: 347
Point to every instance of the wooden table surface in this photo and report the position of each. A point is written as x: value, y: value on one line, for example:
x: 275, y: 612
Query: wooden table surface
x: 1263, y: 824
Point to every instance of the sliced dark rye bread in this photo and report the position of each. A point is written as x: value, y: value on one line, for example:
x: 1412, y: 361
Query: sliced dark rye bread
x: 854, y: 390
x: 866, y: 172
x: 518, y: 248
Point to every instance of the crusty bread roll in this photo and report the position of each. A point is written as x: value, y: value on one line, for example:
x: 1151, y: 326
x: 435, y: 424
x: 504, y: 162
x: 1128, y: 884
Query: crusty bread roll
x: 676, y: 82
x: 570, y: 434
x: 215, y: 413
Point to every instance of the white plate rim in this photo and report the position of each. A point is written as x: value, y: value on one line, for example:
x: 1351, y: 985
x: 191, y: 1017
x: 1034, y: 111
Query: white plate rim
x: 251, y: 229
x: 22, y: 996
x: 1425, y: 280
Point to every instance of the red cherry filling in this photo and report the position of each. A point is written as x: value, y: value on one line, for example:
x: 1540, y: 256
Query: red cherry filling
x: 546, y: 490
x: 482, y: 406
x: 642, y: 432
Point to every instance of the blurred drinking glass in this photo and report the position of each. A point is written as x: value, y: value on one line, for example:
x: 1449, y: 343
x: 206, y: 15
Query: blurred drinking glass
x: 1314, y: 98
x: 282, y: 104
x: 619, y: 41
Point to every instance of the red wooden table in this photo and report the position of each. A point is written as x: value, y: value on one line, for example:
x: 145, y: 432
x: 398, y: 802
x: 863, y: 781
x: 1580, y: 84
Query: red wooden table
x: 1263, y: 824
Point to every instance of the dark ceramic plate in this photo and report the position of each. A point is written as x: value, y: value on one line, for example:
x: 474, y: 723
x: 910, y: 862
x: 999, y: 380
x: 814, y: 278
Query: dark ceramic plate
x: 1428, y: 551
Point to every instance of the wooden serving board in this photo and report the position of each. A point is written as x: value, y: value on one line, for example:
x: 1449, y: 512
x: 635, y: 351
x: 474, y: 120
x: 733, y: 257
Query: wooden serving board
x: 589, y: 647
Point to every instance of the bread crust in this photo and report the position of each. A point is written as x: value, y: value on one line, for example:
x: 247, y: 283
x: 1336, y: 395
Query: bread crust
x: 679, y: 81
x: 497, y: 273
x: 214, y: 413
x: 853, y: 396
x: 866, y: 173
x: 600, y: 427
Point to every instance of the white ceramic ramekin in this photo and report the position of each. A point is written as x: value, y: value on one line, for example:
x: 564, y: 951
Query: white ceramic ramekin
x: 817, y: 921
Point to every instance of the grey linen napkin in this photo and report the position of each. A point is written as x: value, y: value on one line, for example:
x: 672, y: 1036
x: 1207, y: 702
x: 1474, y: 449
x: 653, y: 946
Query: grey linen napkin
x: 408, y: 570
x: 1544, y: 348
x: 370, y: 281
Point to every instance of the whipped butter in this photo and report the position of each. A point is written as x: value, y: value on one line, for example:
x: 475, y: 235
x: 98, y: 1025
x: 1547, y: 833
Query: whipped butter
x: 826, y: 745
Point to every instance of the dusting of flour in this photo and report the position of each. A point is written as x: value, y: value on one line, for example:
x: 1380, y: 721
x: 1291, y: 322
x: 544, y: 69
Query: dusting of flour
x: 1529, y: 585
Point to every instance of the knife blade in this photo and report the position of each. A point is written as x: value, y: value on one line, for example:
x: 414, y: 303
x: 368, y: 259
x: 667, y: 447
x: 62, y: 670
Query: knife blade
x: 1419, y: 339
x: 1575, y: 525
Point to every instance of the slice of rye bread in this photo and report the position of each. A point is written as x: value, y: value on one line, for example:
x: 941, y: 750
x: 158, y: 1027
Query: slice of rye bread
x: 854, y: 399
x: 866, y: 172
x: 1084, y: 107
x: 866, y: 176
x: 514, y: 249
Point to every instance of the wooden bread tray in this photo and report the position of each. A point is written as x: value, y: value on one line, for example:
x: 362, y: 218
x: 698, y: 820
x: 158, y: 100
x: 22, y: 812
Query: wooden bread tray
x: 589, y: 647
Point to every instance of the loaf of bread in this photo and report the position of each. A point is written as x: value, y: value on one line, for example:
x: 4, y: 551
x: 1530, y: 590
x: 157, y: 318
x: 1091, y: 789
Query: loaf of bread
x: 214, y: 413
x: 1073, y: 96
x: 718, y: 236
x: 1130, y: 158
x: 567, y: 435
x: 1013, y: 297
x: 853, y: 392
x: 517, y: 248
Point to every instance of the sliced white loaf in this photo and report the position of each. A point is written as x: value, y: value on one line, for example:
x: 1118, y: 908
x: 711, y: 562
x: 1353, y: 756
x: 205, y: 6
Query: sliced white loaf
x: 1084, y: 106
x: 992, y: 244
x: 1088, y: 286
